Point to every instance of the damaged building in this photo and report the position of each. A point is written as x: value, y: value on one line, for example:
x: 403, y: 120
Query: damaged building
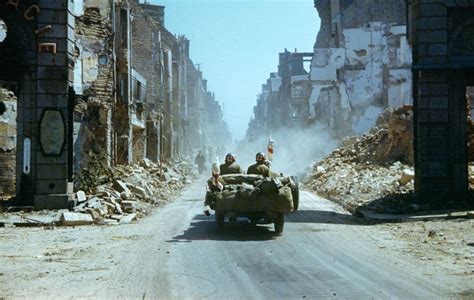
x: 94, y: 80
x: 361, y: 65
x: 283, y: 101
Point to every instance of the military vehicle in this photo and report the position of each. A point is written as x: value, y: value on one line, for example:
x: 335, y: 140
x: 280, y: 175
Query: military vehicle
x: 252, y: 196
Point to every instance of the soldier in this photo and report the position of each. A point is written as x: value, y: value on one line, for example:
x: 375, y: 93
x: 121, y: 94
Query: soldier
x: 260, y: 167
x: 230, y: 166
x: 199, y: 161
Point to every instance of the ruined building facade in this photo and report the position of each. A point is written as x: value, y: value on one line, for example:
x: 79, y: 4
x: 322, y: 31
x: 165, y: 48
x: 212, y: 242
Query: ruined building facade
x: 94, y: 80
x: 283, y: 101
x: 361, y: 64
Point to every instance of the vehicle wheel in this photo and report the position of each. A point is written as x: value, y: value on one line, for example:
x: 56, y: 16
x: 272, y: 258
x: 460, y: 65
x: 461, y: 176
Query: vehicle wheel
x: 279, y: 222
x: 220, y: 220
x: 295, y: 193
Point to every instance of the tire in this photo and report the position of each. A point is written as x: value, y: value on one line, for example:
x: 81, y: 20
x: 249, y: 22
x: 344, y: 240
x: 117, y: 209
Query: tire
x: 295, y: 193
x: 279, y: 222
x: 220, y: 220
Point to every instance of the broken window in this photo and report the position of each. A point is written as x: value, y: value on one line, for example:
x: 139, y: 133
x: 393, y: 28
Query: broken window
x: 3, y: 30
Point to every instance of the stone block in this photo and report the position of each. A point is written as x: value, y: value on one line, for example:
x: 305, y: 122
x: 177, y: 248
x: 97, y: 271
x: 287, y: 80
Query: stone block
x: 129, y: 206
x: 121, y: 187
x: 52, y: 73
x: 433, y: 116
x: 93, y: 213
x: 439, y: 102
x: 407, y: 176
x: 81, y: 196
x: 127, y: 219
x: 137, y: 190
x: 54, y: 201
x: 94, y: 202
x: 433, y: 36
x: 53, y: 186
x: 437, y: 169
x: 432, y: 23
x: 438, y: 49
x: 118, y: 208
x: 53, y: 100
x: 432, y: 10
x: 59, y: 5
x: 50, y: 86
x: 52, y: 16
x: 75, y: 219
x: 62, y: 159
x: 52, y: 171
x: 109, y: 207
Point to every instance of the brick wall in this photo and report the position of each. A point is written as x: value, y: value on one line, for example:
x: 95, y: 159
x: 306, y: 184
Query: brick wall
x: 95, y: 95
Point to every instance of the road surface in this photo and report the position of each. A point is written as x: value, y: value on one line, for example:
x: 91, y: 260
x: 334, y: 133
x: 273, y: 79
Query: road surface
x: 176, y: 253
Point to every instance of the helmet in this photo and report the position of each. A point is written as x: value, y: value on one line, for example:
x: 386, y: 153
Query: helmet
x: 260, y: 156
x: 231, y: 156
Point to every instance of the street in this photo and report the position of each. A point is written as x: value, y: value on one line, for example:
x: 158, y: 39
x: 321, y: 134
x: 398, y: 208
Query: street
x: 176, y: 253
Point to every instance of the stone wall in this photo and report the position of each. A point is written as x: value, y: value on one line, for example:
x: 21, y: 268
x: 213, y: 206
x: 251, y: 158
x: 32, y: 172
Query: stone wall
x: 442, y: 39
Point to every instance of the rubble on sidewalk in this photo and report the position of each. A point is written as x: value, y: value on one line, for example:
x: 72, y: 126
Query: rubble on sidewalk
x: 123, y: 194
x: 373, y: 166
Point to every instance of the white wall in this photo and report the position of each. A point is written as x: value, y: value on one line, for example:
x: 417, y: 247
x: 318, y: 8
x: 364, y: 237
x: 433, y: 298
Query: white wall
x: 369, y: 73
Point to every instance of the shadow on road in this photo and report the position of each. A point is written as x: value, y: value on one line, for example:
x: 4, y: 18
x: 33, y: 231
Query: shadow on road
x: 321, y: 216
x: 204, y: 228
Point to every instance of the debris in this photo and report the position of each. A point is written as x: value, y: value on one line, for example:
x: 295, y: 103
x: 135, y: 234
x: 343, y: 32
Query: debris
x: 122, y: 188
x: 407, y: 176
x: 127, y: 219
x: 131, y: 189
x: 74, y: 219
x: 129, y: 206
x: 456, y: 215
x: 371, y: 167
x: 81, y: 196
x: 138, y: 191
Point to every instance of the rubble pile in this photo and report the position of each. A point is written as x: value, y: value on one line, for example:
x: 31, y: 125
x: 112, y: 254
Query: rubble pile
x: 371, y: 167
x: 120, y: 194
x: 123, y: 193
x: 389, y: 141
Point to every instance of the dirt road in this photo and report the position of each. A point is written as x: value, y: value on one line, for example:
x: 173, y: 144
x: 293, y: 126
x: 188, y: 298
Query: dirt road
x: 176, y: 253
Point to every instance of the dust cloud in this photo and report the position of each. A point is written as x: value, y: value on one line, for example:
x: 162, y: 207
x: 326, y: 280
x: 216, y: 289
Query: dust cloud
x: 294, y: 149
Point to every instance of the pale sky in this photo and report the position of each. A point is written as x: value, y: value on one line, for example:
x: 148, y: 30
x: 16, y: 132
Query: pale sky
x: 236, y: 43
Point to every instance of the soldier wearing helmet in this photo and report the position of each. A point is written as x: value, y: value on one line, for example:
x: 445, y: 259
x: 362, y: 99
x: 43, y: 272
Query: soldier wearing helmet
x: 230, y: 166
x: 260, y: 167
